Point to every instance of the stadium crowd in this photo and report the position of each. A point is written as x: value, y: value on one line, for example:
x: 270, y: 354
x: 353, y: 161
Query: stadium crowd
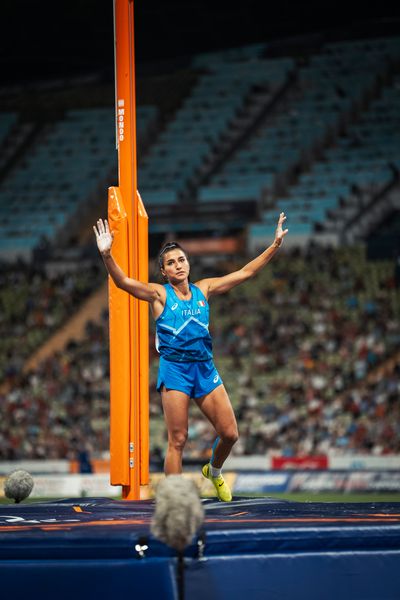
x: 296, y: 348
x: 35, y: 303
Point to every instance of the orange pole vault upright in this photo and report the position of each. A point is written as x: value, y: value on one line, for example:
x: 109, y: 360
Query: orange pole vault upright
x: 129, y: 355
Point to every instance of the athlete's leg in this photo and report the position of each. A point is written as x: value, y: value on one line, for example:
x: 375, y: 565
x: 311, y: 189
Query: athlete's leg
x: 217, y: 407
x: 176, y: 411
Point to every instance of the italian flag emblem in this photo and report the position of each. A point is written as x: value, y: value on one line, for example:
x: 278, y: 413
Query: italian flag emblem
x: 201, y: 303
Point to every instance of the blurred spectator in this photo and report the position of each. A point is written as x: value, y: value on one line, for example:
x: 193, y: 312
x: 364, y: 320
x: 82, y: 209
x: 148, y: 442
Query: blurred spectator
x: 33, y: 305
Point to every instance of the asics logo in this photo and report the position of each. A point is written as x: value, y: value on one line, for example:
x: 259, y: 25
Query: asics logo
x: 174, y: 306
x: 216, y: 378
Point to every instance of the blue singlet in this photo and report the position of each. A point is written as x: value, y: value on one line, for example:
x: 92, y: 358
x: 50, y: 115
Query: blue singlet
x: 182, y: 333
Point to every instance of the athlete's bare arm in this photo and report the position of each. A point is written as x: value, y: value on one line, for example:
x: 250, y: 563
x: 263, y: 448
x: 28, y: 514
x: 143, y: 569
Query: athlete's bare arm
x: 221, y: 285
x: 153, y: 293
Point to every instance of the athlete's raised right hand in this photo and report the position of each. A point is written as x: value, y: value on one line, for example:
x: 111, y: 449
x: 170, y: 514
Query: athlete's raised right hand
x: 104, y: 238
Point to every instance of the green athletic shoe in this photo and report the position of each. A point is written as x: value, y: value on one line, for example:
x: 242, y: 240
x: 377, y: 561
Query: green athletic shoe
x: 223, y: 492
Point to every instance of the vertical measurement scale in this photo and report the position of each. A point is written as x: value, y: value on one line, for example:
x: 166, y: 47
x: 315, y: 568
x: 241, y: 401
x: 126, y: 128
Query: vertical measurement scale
x: 129, y: 378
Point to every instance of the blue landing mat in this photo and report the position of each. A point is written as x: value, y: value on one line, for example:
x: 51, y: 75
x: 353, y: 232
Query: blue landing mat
x: 259, y: 548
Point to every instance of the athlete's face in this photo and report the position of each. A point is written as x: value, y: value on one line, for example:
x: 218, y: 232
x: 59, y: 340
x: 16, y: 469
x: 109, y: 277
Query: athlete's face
x: 175, y: 265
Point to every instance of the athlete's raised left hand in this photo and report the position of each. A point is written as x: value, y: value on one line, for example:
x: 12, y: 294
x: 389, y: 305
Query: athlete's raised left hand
x: 280, y: 233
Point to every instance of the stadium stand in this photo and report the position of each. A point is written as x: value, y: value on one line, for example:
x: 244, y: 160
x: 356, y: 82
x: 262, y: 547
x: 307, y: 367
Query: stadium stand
x: 210, y: 119
x: 62, y: 172
x: 13, y: 135
x: 300, y: 346
x: 7, y: 121
x: 345, y: 167
x: 296, y: 361
x: 358, y: 167
x: 35, y: 303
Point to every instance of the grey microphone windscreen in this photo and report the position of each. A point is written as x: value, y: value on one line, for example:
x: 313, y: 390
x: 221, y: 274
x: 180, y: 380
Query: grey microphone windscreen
x: 178, y: 512
x: 18, y: 485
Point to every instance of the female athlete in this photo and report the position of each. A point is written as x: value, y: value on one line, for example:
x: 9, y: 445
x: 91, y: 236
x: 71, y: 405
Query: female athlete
x: 186, y: 368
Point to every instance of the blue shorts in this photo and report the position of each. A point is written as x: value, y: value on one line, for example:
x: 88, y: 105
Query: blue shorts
x: 195, y: 379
